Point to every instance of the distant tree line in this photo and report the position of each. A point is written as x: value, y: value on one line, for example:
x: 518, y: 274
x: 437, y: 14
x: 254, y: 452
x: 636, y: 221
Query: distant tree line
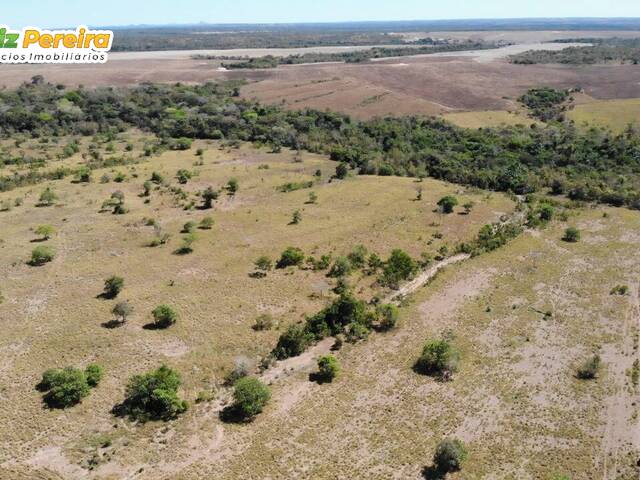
x: 596, y: 165
x: 611, y: 50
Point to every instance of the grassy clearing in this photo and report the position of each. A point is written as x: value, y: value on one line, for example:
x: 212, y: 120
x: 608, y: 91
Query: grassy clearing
x: 55, y: 316
x: 486, y: 119
x: 613, y: 114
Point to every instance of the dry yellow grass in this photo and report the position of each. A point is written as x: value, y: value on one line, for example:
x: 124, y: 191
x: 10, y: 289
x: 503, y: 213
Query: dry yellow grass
x: 614, y: 114
x: 484, y: 119
x: 51, y: 317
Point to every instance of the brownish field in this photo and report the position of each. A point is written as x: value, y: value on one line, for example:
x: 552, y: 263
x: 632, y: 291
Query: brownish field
x: 422, y: 84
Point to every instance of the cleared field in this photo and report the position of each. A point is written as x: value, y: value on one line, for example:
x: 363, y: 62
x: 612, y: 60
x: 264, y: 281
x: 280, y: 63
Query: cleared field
x: 614, y: 114
x: 488, y: 119
x: 51, y: 316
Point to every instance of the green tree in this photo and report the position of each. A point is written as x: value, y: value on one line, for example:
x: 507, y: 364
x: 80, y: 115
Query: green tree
x: 113, y: 286
x: 328, y: 368
x: 153, y: 396
x: 290, y: 257
x: 341, y: 268
x: 387, y: 316
x: 293, y: 342
x: 164, y: 316
x: 64, y: 387
x: 122, y: 310
x: 93, y: 374
x: 209, y: 196
x: 438, y: 358
x: 447, y: 204
x: 450, y: 455
x: 400, y: 266
x: 250, y: 396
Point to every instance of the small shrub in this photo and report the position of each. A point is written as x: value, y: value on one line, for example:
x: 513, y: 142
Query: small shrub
x: 263, y: 263
x: 122, y: 310
x: 449, y: 456
x: 447, y: 204
x: 341, y: 268
x: 208, y: 197
x: 94, y: 374
x: 47, y: 197
x: 387, y: 317
x: 187, y: 244
x: 290, y: 257
x: 313, y: 198
x: 328, y: 368
x: 263, y: 322
x: 399, y: 267
x: 589, y: 369
x: 233, y: 186
x: 292, y: 342
x: 342, y: 170
x: 113, y: 286
x: 183, y: 176
x: 571, y: 235
x: 189, y: 227
x: 296, y: 218
x: 620, y: 290
x: 242, y: 367
x: 164, y: 316
x: 438, y: 358
x: 45, y: 231
x: 41, y: 255
x: 206, y: 223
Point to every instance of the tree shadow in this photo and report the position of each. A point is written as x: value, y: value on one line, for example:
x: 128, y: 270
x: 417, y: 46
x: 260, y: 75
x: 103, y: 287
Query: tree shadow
x: 106, y: 296
x: 317, y: 378
x: 232, y: 414
x: 433, y: 473
x: 112, y: 324
x: 152, y: 326
x: 39, y: 240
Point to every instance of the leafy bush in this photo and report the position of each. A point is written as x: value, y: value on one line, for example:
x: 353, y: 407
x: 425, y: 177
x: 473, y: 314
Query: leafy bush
x: 206, y: 223
x: 41, y: 255
x: 447, y: 204
x: 183, y: 176
x: 328, y: 368
x: 209, y: 196
x: 47, y: 197
x: 233, y: 186
x: 341, y: 268
x: 113, y: 286
x: 358, y: 256
x: 45, y: 231
x: 164, y: 316
x: 250, y: 396
x: 400, y: 266
x: 438, y: 358
x: 293, y: 342
x: 449, y: 456
x: 153, y: 396
x: 290, y: 257
x: 263, y: 263
x: 94, y: 374
x: 342, y: 170
x: 122, y: 310
x: 189, y: 227
x: 387, y: 317
x: 571, y: 235
x: 68, y: 386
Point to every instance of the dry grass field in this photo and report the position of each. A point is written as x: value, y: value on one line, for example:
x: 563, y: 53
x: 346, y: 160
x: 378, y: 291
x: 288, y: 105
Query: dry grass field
x: 51, y: 315
x: 614, y: 114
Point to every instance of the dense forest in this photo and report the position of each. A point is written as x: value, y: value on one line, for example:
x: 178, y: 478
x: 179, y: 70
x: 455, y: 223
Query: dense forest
x: 611, y: 50
x: 593, y: 166
x: 421, y: 48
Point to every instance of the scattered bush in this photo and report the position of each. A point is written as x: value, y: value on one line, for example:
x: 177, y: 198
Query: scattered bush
x: 263, y: 263
x: 47, y: 197
x: 206, y: 223
x: 122, y: 310
x: 293, y: 342
x: 68, y: 386
x: 263, y: 322
x: 328, y: 368
x: 449, y: 456
x: 233, y: 186
x: 399, y: 267
x: 620, y: 290
x: 571, y: 235
x: 342, y: 170
x: 387, y: 317
x: 242, y: 367
x: 341, y: 268
x: 153, y: 396
x: 164, y: 316
x: 250, y: 396
x: 187, y: 244
x: 183, y: 176
x: 45, y: 231
x: 113, y: 286
x: 438, y: 358
x: 589, y: 368
x: 447, y: 204
x: 296, y: 218
x: 189, y: 227
x: 290, y: 257
x: 41, y: 255
x: 209, y: 196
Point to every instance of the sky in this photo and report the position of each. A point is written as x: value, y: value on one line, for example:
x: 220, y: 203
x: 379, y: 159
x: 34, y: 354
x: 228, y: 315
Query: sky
x: 67, y: 13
